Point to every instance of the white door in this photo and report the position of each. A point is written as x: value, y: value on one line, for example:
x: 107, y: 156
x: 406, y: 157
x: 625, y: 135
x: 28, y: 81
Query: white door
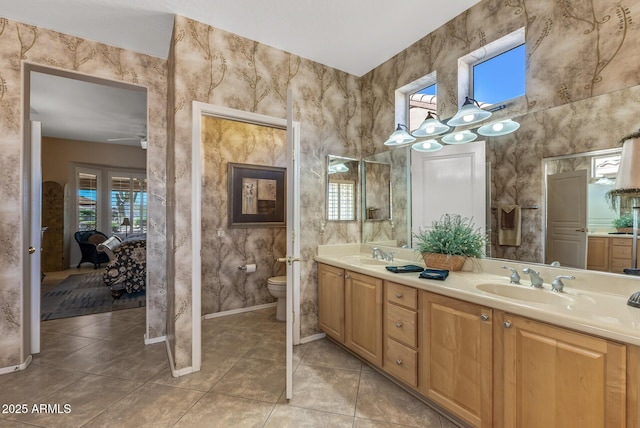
x: 567, y: 219
x: 33, y: 237
x: 293, y: 240
x: 450, y: 181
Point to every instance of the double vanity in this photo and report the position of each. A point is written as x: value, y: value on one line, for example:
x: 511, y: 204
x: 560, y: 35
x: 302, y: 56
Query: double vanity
x: 488, y: 352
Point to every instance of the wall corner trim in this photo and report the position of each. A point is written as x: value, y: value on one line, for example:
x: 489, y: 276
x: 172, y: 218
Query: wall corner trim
x: 19, y: 367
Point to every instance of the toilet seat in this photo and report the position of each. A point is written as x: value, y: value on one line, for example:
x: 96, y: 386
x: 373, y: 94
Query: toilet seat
x: 277, y: 280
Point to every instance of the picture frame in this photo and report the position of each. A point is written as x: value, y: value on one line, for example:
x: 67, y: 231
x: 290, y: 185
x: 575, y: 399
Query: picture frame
x: 256, y: 196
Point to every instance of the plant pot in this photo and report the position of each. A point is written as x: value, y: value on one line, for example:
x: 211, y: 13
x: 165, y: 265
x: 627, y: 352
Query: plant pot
x: 624, y: 229
x: 443, y: 261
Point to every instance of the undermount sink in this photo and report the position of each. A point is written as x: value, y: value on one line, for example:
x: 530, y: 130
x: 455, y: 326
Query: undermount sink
x: 526, y: 294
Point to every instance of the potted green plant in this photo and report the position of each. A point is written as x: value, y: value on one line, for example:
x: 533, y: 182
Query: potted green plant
x: 449, y: 242
x: 624, y: 223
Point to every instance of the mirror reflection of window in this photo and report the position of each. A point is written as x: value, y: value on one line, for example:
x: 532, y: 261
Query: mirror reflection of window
x: 341, y: 200
x: 342, y: 188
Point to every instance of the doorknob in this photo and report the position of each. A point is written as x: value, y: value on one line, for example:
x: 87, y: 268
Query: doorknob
x: 289, y: 260
x: 581, y: 230
x: 31, y: 249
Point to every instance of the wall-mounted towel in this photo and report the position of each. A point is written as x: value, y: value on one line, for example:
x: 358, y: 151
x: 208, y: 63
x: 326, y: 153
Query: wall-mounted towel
x: 509, y: 225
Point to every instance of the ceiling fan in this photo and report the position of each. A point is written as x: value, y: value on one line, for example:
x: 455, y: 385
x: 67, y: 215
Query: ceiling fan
x: 141, y: 138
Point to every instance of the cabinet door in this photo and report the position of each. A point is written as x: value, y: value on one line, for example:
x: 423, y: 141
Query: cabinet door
x: 363, y: 316
x: 457, y: 357
x: 331, y: 301
x: 559, y: 378
x: 598, y: 253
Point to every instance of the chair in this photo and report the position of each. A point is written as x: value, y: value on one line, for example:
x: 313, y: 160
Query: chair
x: 88, y: 241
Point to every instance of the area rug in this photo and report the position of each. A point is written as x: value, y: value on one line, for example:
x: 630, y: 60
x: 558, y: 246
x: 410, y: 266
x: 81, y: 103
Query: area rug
x: 85, y: 294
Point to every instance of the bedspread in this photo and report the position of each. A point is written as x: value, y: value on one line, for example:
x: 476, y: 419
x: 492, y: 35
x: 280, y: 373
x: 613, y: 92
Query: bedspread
x: 128, y: 268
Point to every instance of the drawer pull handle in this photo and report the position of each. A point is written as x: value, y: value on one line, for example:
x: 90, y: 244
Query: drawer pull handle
x: 484, y: 317
x: 506, y: 324
x: 398, y: 362
x: 398, y: 324
x: 399, y: 295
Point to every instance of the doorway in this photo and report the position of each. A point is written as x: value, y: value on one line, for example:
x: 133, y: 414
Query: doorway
x: 66, y: 102
x: 202, y: 112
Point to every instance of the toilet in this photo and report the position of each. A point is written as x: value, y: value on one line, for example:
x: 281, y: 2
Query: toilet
x: 277, y: 286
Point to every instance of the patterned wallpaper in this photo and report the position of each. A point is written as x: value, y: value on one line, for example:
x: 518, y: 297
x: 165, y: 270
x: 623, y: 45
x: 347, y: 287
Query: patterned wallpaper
x: 224, y: 287
x: 576, y: 50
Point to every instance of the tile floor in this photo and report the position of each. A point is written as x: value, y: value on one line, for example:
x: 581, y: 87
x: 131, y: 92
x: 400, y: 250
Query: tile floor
x: 99, y: 366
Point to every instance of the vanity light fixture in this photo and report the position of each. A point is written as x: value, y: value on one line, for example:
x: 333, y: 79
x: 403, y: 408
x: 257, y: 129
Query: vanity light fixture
x: 430, y: 126
x: 496, y: 129
x: 427, y: 146
x: 469, y: 113
x: 460, y: 137
x: 339, y: 167
x: 400, y: 136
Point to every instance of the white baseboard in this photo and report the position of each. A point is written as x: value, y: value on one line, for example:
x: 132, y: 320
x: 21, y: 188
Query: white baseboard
x: 174, y: 372
x: 154, y: 340
x: 239, y: 311
x: 19, y: 367
x: 313, y: 337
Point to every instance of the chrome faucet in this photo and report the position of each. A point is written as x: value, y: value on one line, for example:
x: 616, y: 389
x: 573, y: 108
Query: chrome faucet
x: 375, y: 252
x: 379, y: 253
x: 514, y: 278
x: 557, y: 285
x: 536, y: 281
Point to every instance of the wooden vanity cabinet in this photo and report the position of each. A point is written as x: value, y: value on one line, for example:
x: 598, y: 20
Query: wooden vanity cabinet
x: 363, y: 316
x: 598, y: 253
x: 331, y: 301
x: 548, y: 376
x: 457, y: 357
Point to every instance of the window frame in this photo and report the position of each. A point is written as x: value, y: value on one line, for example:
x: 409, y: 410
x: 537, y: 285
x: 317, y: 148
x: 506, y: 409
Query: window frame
x: 483, y: 54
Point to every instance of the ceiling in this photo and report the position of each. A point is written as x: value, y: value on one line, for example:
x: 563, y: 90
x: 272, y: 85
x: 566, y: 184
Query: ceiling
x: 342, y: 34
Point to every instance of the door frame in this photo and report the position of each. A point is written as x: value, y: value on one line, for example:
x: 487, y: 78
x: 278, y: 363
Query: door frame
x: 200, y: 109
x: 31, y: 308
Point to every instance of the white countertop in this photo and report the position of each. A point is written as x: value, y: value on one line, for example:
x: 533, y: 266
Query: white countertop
x: 593, y: 302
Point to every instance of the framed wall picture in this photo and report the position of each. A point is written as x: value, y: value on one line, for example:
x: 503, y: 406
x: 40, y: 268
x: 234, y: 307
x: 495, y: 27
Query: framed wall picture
x: 256, y: 196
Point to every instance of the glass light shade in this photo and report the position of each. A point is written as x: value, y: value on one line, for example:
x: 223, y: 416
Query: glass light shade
x: 427, y: 146
x: 629, y: 171
x: 339, y: 167
x: 399, y: 137
x: 496, y: 129
x: 469, y: 113
x: 430, y: 126
x: 460, y: 137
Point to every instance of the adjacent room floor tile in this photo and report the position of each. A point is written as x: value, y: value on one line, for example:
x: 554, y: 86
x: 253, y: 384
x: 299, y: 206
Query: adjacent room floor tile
x: 325, y: 353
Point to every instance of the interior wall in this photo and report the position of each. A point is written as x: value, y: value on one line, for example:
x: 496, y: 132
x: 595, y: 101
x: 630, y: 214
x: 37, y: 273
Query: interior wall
x: 224, y: 286
x: 57, y: 155
x: 220, y: 68
x: 20, y: 43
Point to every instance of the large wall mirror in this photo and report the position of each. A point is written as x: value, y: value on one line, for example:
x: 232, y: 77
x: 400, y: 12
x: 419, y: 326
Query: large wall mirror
x: 342, y: 193
x: 582, y: 129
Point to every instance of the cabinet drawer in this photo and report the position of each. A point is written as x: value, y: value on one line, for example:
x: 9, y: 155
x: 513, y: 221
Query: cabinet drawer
x: 401, y: 361
x: 402, y: 295
x: 619, y: 252
x: 400, y: 324
x: 618, y: 265
x: 623, y: 242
